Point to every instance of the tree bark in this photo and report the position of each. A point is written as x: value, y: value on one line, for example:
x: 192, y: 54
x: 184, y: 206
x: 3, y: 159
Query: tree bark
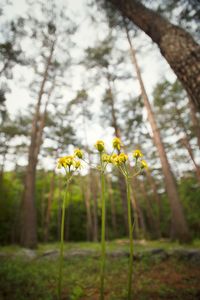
x: 179, y: 228
x: 176, y: 45
x: 195, y: 120
x: 48, y: 210
x: 86, y: 196
x: 94, y: 190
x: 156, y: 195
x: 28, y: 217
x: 112, y: 204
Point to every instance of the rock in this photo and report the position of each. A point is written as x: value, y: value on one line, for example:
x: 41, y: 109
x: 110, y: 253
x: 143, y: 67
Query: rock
x: 26, y: 253
x: 191, y: 255
x: 50, y: 254
x: 118, y: 253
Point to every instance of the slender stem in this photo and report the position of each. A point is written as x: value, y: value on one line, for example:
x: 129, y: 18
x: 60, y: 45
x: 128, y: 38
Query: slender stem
x: 62, y: 242
x: 103, y: 246
x: 130, y: 237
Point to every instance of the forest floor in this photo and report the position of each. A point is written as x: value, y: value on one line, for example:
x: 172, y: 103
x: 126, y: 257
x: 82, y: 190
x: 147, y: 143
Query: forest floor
x: 162, y: 270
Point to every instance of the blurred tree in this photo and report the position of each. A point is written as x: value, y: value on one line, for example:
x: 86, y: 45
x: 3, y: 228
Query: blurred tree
x: 176, y: 45
x: 109, y: 66
x: 179, y: 227
x: 48, y: 67
x: 171, y: 110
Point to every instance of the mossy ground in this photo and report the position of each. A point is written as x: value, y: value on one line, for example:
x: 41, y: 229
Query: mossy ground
x: 36, y: 279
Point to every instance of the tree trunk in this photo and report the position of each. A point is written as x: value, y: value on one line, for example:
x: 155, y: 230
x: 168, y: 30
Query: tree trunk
x: 59, y: 215
x: 94, y: 190
x: 48, y: 210
x: 86, y: 196
x: 141, y: 219
x: 176, y: 45
x: 195, y: 120
x: 154, y: 226
x: 156, y: 195
x: 28, y: 217
x: 112, y: 203
x: 3, y: 162
x: 179, y: 228
x: 185, y: 142
x: 135, y: 216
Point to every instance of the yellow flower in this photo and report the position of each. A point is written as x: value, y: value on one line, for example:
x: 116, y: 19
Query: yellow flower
x: 123, y: 157
x: 61, y: 162
x: 78, y: 153
x: 137, y: 154
x: 119, y: 159
x: 144, y: 164
x: 100, y: 145
x: 113, y: 156
x: 106, y: 158
x: 77, y: 164
x: 69, y: 159
x: 116, y: 143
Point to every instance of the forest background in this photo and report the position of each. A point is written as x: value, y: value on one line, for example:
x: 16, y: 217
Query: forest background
x: 74, y: 73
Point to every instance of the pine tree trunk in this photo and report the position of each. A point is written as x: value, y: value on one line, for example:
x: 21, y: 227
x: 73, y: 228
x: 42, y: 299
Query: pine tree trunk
x: 94, y: 191
x: 176, y: 45
x: 48, y: 211
x: 195, y: 120
x: 86, y: 196
x: 154, y: 226
x: 185, y: 141
x: 141, y: 219
x: 156, y: 195
x: 179, y: 228
x: 28, y: 216
x: 112, y: 203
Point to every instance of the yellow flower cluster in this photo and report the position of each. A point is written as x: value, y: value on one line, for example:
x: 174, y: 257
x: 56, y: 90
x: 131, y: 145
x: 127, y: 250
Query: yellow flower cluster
x: 119, y: 159
x: 70, y: 161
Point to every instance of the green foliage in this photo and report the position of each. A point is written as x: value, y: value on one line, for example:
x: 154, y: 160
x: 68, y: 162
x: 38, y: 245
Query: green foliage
x: 190, y: 194
x: 22, y: 278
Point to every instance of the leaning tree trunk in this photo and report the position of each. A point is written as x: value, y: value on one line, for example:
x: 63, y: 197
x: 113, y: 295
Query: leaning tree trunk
x: 176, y: 45
x: 28, y: 218
x: 179, y: 228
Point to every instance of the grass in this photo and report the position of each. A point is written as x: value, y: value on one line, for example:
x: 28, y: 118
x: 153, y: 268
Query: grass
x: 22, y: 279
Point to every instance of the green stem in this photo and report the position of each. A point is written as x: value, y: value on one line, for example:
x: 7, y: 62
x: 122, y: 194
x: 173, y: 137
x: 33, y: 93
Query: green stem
x: 103, y: 246
x: 128, y: 189
x: 62, y: 242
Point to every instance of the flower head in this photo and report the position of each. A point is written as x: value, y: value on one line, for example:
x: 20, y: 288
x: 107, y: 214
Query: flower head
x: 116, y: 143
x: 77, y: 164
x: 106, y: 158
x: 78, y: 153
x: 123, y: 157
x: 137, y: 154
x: 144, y: 164
x: 61, y: 163
x: 100, y: 145
x: 119, y: 159
x: 66, y: 161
